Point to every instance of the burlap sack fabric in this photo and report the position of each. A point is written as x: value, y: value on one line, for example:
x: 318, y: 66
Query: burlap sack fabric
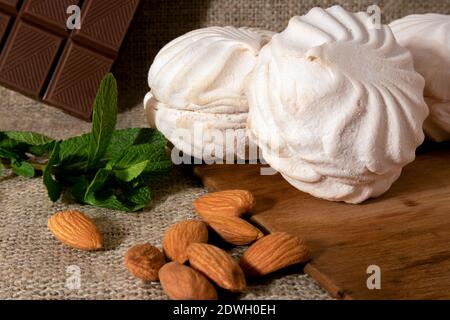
x: 34, y: 266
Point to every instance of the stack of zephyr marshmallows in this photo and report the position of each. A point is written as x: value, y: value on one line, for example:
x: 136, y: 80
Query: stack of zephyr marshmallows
x: 335, y: 103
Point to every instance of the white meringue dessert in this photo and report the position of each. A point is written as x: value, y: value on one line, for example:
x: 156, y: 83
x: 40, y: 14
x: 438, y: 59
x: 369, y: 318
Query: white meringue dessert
x: 197, y: 90
x: 427, y: 36
x: 336, y: 105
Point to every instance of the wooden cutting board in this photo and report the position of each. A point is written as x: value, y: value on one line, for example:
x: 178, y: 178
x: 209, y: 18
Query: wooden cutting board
x: 406, y: 232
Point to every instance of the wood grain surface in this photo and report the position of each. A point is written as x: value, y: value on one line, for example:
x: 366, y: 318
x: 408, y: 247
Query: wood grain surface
x: 406, y: 232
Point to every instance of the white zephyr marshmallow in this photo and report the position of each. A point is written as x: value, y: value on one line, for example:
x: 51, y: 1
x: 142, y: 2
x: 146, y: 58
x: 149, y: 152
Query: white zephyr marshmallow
x: 197, y: 97
x: 336, y: 105
x: 427, y: 36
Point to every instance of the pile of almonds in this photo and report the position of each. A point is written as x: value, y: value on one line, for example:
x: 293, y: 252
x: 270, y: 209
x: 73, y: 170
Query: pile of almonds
x: 195, y: 265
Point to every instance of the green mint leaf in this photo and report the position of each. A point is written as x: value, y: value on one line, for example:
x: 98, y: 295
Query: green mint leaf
x: 151, y: 136
x: 104, y: 120
x: 122, y: 139
x: 39, y: 151
x: 6, y: 154
x: 79, y: 187
x: 155, y: 154
x: 132, y: 156
x: 11, y: 149
x: 73, y: 154
x: 105, y: 192
x: 54, y: 188
x: 2, y: 168
x: 100, y: 194
x: 138, y: 197
x: 30, y: 138
x: 24, y: 143
x: 22, y: 168
x: 7, y: 143
x: 96, y: 188
x: 74, y: 151
x: 149, y: 156
x: 132, y: 172
x: 159, y: 162
x: 105, y: 168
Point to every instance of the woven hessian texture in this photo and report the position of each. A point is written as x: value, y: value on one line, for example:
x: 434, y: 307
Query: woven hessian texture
x: 33, y: 265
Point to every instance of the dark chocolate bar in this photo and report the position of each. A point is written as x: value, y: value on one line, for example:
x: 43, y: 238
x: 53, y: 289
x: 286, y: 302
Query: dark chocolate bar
x: 4, y: 22
x: 42, y: 58
x: 9, y: 5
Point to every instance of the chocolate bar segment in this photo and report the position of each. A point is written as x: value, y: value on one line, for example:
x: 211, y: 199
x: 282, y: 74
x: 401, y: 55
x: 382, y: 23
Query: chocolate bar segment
x: 76, y: 79
x: 27, y: 58
x: 9, y: 5
x: 41, y: 58
x: 48, y: 13
x: 4, y: 22
x: 104, y: 23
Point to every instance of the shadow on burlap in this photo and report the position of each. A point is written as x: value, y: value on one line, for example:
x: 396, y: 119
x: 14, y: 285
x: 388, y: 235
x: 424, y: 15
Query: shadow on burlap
x: 34, y: 266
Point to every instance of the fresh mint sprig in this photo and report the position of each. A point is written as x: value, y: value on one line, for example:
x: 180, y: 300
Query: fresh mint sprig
x: 106, y: 167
